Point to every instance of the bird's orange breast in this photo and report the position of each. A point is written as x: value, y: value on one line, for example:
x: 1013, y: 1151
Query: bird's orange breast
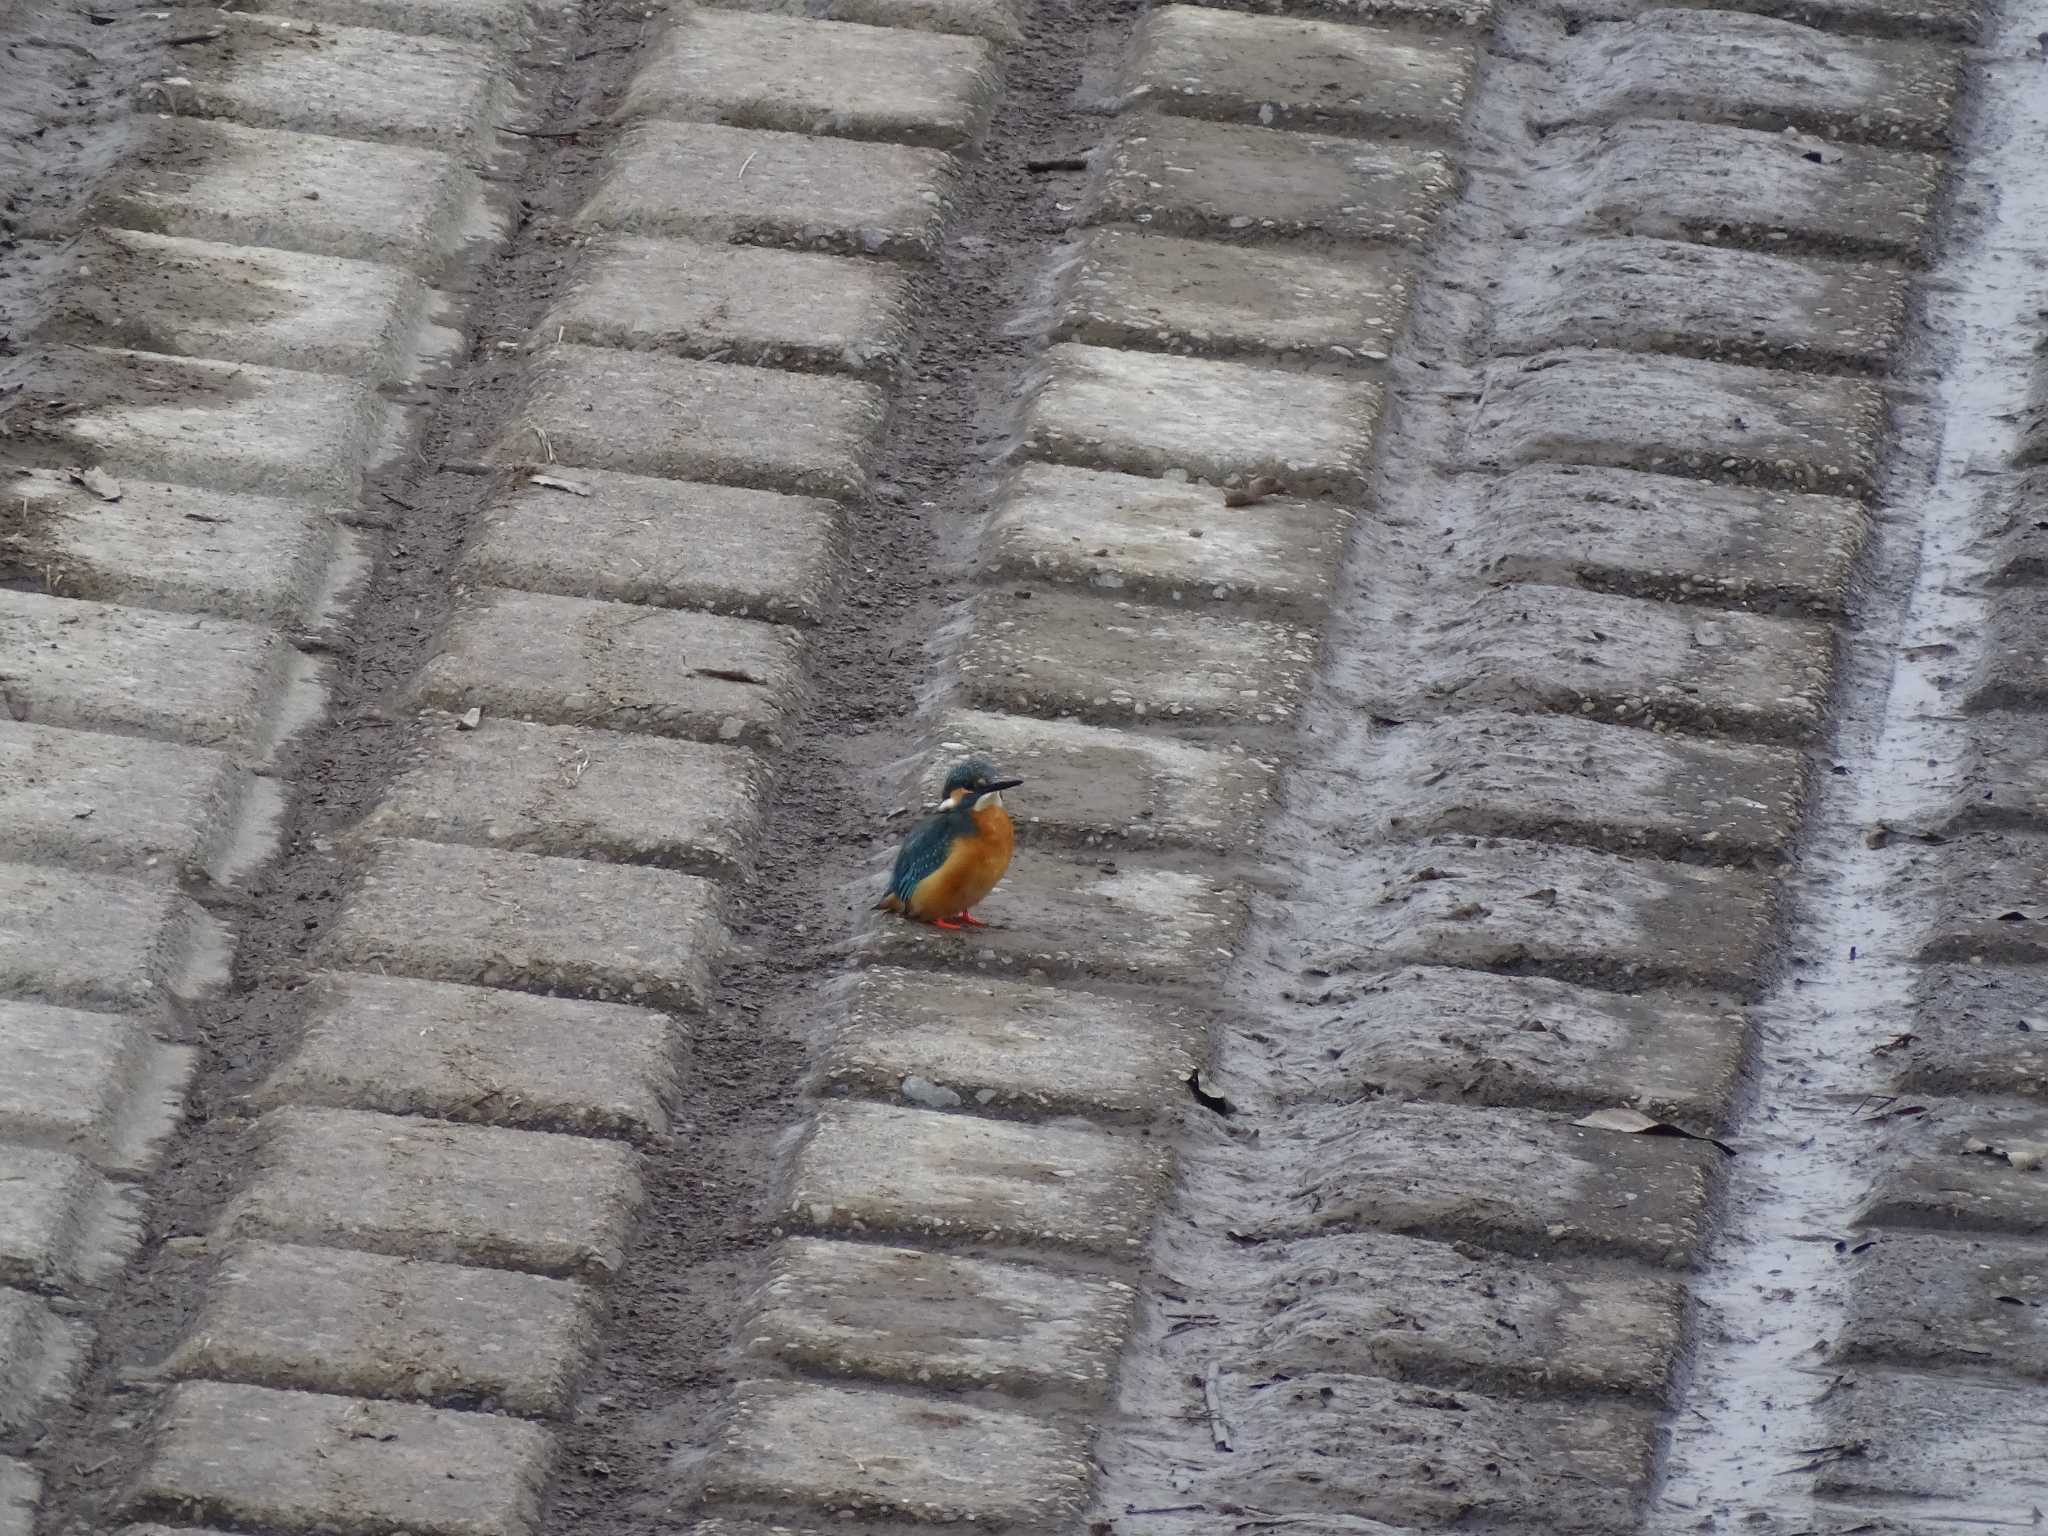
x: 973, y: 866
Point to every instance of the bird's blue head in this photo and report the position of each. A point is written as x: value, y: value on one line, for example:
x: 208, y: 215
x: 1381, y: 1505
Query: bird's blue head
x: 970, y: 779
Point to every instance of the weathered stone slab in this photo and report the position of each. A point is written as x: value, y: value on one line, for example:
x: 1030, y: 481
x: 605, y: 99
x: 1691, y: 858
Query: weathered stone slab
x: 1785, y: 192
x: 747, y: 304
x: 64, y: 1227
x: 1642, y: 295
x: 1065, y: 916
x: 293, y: 1461
x: 1441, y: 1034
x: 881, y: 1454
x: 1669, y: 537
x: 1533, y: 907
x: 570, y: 793
x: 105, y: 942
x: 613, y: 932
x: 621, y: 666
x: 1952, y: 20
x: 1759, y: 72
x: 509, y: 24
x: 1507, y: 1179
x: 820, y: 77
x: 93, y: 1084
x: 1058, y: 653
x: 1565, y: 779
x: 1938, y: 1441
x: 1203, y: 62
x: 407, y: 1047
x: 992, y: 19
x: 2012, y: 669
x: 427, y: 1189
x: 1229, y: 422
x: 685, y: 420
x: 1681, y: 416
x: 1007, y: 1045
x: 1986, y: 896
x: 1977, y: 1031
x: 1163, y: 294
x: 1963, y: 1168
x: 328, y: 1320
x: 683, y: 180
x: 872, y: 1168
x: 1159, y: 539
x: 41, y: 1354
x: 1185, y: 177
x: 940, y: 1320
x: 1945, y: 1303
x: 170, y: 546
x: 1626, y: 660
x: 1087, y: 783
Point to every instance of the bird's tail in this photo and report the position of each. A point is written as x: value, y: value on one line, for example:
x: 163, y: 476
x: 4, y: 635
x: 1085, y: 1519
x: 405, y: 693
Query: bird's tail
x: 889, y: 903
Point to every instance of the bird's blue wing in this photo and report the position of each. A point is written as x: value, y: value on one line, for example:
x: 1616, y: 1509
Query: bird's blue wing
x: 921, y: 854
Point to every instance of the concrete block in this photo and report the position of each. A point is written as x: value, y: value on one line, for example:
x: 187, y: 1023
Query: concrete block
x: 1063, y: 916
x: 1629, y: 660
x: 561, y: 791
x: 1158, y: 539
x: 207, y: 180
x: 101, y: 942
x: 259, y: 558
x: 1574, y: 780
x: 1978, y: 1031
x: 426, y: 1189
x: 1440, y: 1034
x: 349, y: 82
x: 613, y: 932
x: 1508, y: 1179
x: 1935, y: 1442
x: 683, y: 180
x: 667, y: 543
x: 880, y: 1454
x: 1668, y: 537
x: 1203, y: 62
x: 1643, y: 295
x: 744, y: 304
x: 327, y: 1320
x: 1541, y: 909
x: 1679, y: 415
x: 64, y: 1227
x: 1057, y: 653
x: 239, y: 304
x: 1429, y: 13
x: 939, y: 1320
x: 1949, y: 1171
x: 1163, y: 294
x: 1010, y: 1046
x: 94, y: 1084
x: 1088, y: 784
x: 21, y: 1489
x: 2012, y: 667
x: 1392, y: 1455
x: 1953, y: 20
x: 249, y: 1456
x: 506, y: 24
x: 1186, y: 177
x: 1368, y: 1304
x: 1984, y: 896
x: 1945, y: 1303
x: 873, y: 1168
x: 41, y: 1353
x: 2002, y: 778
x: 472, y: 1053
x: 1151, y: 414
x: 685, y: 420
x: 218, y: 426
x: 995, y: 20
x: 1786, y: 192
x: 573, y: 661
x: 99, y: 666
x: 1758, y: 72
x: 751, y: 70
x: 127, y: 805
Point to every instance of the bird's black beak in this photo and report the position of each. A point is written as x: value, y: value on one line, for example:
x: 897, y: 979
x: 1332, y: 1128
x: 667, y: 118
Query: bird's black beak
x: 999, y: 786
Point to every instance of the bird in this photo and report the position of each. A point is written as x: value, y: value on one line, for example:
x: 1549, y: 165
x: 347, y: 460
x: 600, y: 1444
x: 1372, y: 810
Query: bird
x: 953, y: 858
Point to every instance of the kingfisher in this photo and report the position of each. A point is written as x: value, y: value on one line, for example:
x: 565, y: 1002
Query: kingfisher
x: 954, y: 857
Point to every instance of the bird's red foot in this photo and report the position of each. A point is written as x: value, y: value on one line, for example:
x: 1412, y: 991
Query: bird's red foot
x: 946, y: 922
x: 971, y: 920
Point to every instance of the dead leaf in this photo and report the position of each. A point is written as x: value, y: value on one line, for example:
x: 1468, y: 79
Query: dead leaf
x: 554, y: 483
x: 99, y: 482
x: 1633, y: 1122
